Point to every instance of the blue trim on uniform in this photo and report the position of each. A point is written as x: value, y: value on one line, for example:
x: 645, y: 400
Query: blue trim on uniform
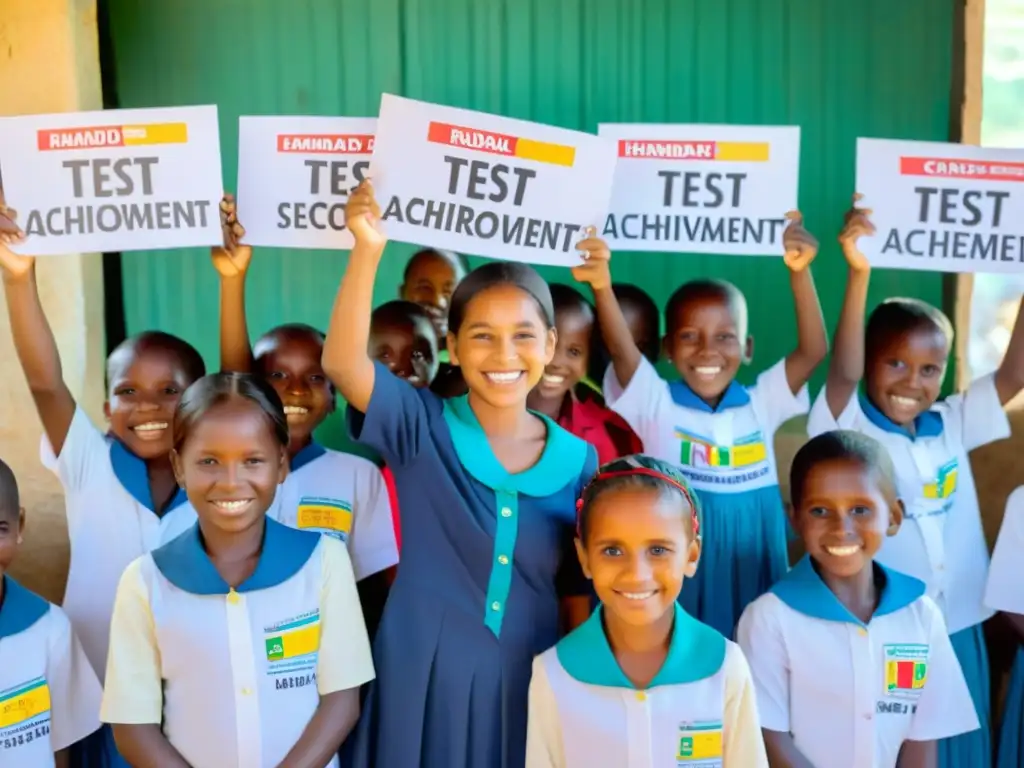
x: 560, y: 464
x: 803, y: 590
x: 696, y: 652
x: 735, y: 396
x: 131, y: 472
x: 927, y: 424
x: 183, y: 561
x: 307, y: 455
x: 20, y: 608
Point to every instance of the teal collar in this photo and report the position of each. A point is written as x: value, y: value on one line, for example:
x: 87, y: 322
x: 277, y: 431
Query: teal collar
x: 560, y: 464
x: 803, y: 590
x: 131, y: 472
x: 19, y: 608
x: 695, y: 652
x: 183, y: 561
x: 307, y: 455
x: 927, y: 424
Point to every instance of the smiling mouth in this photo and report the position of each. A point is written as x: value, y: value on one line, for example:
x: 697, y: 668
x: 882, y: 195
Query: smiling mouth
x: 553, y: 380
x: 638, y: 596
x: 707, y: 372
x: 844, y: 551
x: 504, y: 378
x: 232, y: 506
x: 904, y: 402
x: 296, y: 411
x: 151, y: 430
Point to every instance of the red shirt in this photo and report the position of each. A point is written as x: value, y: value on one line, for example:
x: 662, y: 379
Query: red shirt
x: 389, y: 482
x: 600, y: 426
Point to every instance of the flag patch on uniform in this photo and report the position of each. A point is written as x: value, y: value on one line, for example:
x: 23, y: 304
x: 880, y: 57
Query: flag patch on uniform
x: 24, y: 702
x: 906, y: 670
x: 697, y: 451
x: 327, y: 515
x: 700, y: 745
x: 945, y: 482
x: 293, y: 639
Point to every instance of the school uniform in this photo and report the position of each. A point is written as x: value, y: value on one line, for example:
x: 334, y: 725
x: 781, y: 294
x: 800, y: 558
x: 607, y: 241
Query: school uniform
x: 1005, y: 592
x: 234, y: 676
x: 941, y: 541
x: 389, y: 483
x: 475, y: 598
x: 604, y: 429
x: 698, y: 712
x: 851, y: 693
x: 728, y: 455
x: 49, y: 694
x: 344, y: 496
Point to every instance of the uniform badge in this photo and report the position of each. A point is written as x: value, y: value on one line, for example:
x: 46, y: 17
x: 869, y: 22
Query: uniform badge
x: 330, y: 516
x: 906, y: 670
x: 699, y: 745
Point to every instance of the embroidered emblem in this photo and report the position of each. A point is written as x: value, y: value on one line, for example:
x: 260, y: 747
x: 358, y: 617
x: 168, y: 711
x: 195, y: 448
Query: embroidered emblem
x: 906, y: 670
x: 700, y: 745
x: 330, y: 516
x: 292, y: 645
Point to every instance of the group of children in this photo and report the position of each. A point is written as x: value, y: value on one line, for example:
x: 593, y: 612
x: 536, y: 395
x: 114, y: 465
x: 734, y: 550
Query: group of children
x: 593, y: 564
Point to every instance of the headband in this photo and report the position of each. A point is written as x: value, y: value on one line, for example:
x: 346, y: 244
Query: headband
x: 646, y: 471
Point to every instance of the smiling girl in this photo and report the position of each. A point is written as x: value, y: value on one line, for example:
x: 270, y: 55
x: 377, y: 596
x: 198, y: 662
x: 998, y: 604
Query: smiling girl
x: 486, y: 492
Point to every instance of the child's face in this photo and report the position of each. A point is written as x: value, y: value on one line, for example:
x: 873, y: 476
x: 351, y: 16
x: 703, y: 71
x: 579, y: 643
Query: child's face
x: 844, y: 515
x: 644, y: 336
x: 409, y: 350
x: 290, y: 362
x: 707, y: 345
x: 572, y: 354
x: 638, y: 551
x: 231, y: 465
x: 905, y: 374
x: 503, y: 345
x: 431, y: 282
x: 145, y: 387
x: 11, y: 523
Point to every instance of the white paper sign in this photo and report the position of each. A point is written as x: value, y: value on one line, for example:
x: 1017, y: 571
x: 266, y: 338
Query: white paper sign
x: 942, y: 207
x: 295, y: 175
x: 120, y: 180
x: 702, y: 188
x: 487, y: 185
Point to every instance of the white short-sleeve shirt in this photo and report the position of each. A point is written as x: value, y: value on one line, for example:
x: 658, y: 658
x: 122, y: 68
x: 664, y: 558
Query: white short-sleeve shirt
x: 49, y: 694
x: 850, y: 693
x: 235, y: 676
x: 344, y: 496
x: 1005, y: 590
x: 728, y: 449
x: 110, y: 523
x: 698, y: 712
x: 941, y: 542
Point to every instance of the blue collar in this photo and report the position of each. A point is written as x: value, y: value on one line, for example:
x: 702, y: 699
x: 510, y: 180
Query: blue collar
x: 307, y: 455
x: 183, y: 561
x: 560, y: 464
x: 803, y: 590
x: 19, y: 608
x: 695, y: 652
x: 927, y: 424
x: 735, y: 396
x: 130, y: 471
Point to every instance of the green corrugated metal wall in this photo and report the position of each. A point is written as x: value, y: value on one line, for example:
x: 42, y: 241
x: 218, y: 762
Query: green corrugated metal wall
x: 835, y: 68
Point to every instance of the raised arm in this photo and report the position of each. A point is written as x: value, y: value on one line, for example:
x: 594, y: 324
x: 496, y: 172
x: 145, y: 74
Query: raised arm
x: 812, y: 342
x: 231, y: 261
x: 33, y: 338
x: 595, y: 272
x: 346, y: 359
x: 847, y: 366
x: 1010, y: 374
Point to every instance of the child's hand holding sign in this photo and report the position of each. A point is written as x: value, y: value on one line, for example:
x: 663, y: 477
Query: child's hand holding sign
x: 595, y: 269
x: 231, y: 259
x: 362, y: 215
x: 799, y: 245
x: 856, y: 223
x: 15, y: 266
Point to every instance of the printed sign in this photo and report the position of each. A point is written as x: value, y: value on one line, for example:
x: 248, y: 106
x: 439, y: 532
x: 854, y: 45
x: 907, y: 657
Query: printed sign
x: 486, y: 185
x: 702, y: 188
x: 295, y: 175
x: 121, y: 180
x: 942, y: 207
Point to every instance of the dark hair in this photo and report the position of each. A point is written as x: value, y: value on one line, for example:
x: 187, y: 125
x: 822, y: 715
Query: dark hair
x: 567, y: 298
x: 707, y: 288
x: 638, y: 471
x: 10, y: 503
x: 286, y: 330
x: 457, y: 261
x: 899, y: 316
x: 495, y: 273
x: 219, y: 388
x: 399, y: 311
x: 188, y: 357
x: 840, y: 445
x: 627, y: 293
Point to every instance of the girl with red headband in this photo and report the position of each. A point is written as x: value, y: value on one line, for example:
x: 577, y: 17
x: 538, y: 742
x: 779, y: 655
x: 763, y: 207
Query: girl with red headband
x: 641, y: 681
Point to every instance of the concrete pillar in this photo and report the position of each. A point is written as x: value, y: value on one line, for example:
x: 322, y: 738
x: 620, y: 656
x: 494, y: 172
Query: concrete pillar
x: 49, y: 62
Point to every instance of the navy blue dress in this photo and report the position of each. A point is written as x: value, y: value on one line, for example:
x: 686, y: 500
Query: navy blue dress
x: 485, y: 557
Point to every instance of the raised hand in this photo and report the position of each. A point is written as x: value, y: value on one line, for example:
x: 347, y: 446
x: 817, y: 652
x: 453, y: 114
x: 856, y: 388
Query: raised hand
x: 231, y: 259
x: 362, y: 215
x: 595, y: 269
x: 15, y: 267
x: 800, y: 246
x: 856, y: 223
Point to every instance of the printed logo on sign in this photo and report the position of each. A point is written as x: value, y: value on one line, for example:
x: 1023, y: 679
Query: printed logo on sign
x: 723, y: 151
x: 947, y: 168
x: 500, y: 144
x: 945, y: 482
x: 324, y: 144
x: 700, y: 745
x: 330, y: 516
x: 292, y: 645
x: 23, y: 709
x: 112, y: 136
x: 906, y: 670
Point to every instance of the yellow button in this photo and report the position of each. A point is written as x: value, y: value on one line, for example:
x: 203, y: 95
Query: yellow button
x: 495, y: 606
x: 247, y: 691
x: 641, y: 696
x: 503, y: 559
x: 233, y: 597
x: 506, y: 512
x: 862, y: 631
